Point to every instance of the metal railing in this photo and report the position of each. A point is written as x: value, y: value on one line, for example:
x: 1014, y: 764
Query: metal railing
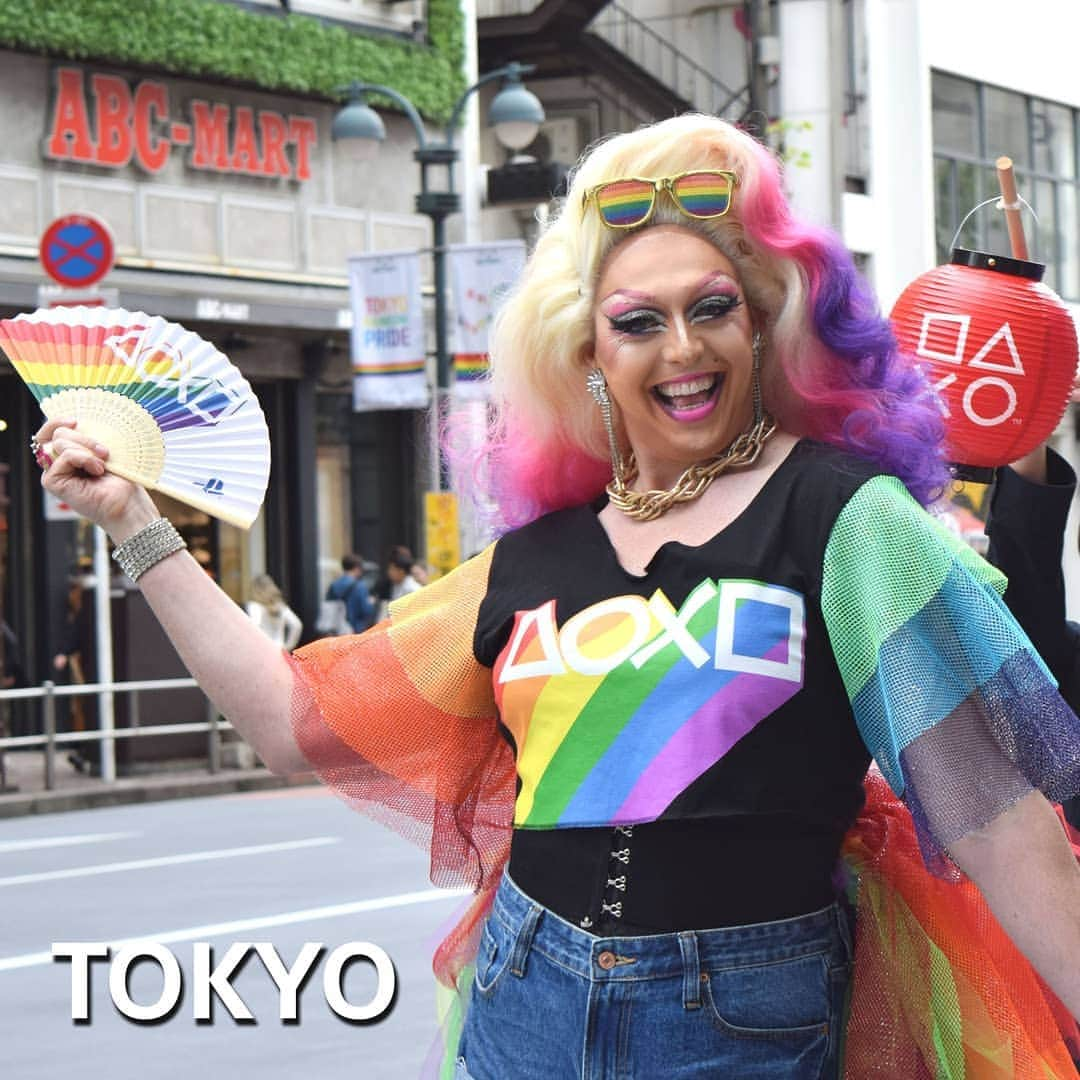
x: 649, y: 50
x: 667, y: 64
x: 48, y: 692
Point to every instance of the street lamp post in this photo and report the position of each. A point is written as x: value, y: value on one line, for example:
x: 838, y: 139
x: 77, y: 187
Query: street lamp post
x: 515, y: 114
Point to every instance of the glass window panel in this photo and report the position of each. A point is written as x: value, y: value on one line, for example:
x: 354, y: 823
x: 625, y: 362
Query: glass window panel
x: 1069, y: 276
x: 956, y: 114
x: 994, y: 236
x: 945, y: 219
x: 968, y: 197
x: 1006, y: 125
x: 1052, y: 134
x: 1045, y: 234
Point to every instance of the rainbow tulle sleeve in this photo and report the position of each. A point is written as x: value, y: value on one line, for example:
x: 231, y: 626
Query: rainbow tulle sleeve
x: 958, y: 710
x: 401, y: 722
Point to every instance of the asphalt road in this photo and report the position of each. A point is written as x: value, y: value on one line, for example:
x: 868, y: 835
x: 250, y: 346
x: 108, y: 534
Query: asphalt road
x: 286, y: 868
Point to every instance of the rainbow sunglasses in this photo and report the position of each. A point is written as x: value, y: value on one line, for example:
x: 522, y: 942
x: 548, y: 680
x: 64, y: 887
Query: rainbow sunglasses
x: 628, y: 202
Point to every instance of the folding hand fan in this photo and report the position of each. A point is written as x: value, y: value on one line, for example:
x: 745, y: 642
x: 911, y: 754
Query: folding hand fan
x: 176, y: 415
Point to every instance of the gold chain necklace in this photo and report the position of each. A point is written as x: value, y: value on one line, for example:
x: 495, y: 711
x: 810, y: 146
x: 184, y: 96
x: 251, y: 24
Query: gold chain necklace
x: 649, y: 505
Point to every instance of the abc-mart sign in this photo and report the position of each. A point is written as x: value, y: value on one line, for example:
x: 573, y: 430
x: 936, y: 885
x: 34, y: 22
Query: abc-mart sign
x: 112, y: 125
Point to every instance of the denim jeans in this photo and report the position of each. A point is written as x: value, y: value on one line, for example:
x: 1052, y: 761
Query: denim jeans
x: 552, y: 1002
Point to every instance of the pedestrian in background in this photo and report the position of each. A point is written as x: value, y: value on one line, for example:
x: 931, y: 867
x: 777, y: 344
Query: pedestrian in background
x: 400, y: 578
x: 403, y: 580
x: 268, y: 610
x: 383, y: 587
x: 347, y: 606
x: 69, y: 666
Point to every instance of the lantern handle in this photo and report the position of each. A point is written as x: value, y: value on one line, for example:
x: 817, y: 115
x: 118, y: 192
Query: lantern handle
x: 986, y: 202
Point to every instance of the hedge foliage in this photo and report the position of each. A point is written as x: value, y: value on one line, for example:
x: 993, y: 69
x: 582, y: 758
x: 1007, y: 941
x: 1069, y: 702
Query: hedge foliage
x: 204, y: 39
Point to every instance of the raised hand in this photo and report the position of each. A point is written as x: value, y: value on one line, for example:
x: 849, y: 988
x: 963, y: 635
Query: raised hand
x: 75, y: 472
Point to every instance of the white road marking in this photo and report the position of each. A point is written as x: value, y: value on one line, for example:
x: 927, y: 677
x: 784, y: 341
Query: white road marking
x: 243, y: 926
x: 166, y: 860
x: 63, y: 841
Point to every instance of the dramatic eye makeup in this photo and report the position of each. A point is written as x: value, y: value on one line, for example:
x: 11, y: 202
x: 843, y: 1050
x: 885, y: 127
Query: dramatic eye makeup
x: 714, y: 306
x: 633, y: 321
x: 632, y: 318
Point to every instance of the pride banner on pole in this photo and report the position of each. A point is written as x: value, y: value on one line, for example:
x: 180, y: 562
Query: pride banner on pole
x: 482, y: 274
x: 388, y: 344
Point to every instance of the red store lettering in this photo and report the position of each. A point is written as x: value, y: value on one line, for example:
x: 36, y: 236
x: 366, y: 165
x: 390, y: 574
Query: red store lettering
x: 136, y: 126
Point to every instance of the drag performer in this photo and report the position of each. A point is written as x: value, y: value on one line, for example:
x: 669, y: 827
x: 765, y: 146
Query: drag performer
x: 639, y: 723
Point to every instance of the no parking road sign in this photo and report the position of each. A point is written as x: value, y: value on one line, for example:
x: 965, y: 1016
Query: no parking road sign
x: 76, y: 250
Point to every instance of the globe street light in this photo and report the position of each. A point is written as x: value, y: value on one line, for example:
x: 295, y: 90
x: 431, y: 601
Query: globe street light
x: 516, y: 115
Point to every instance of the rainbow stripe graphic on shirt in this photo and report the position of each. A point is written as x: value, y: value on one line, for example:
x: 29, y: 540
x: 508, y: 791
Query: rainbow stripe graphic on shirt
x: 619, y: 710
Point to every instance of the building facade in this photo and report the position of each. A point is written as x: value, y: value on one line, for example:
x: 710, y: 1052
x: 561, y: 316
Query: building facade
x: 232, y: 212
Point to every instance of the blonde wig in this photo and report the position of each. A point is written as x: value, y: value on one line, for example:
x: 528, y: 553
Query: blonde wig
x: 830, y: 367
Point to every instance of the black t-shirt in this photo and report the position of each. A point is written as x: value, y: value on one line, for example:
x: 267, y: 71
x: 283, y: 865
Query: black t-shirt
x: 702, y: 776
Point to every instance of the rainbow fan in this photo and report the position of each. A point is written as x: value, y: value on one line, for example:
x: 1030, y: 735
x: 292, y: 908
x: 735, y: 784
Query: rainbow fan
x: 176, y: 415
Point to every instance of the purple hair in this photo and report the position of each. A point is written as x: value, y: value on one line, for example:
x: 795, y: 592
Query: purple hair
x: 849, y: 383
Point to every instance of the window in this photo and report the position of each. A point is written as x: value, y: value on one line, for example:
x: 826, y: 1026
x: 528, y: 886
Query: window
x: 956, y: 115
x: 1007, y: 126
x: 1052, y: 138
x: 974, y: 124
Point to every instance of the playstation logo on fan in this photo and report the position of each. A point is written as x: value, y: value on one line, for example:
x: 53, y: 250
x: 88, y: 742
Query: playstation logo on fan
x: 166, y: 403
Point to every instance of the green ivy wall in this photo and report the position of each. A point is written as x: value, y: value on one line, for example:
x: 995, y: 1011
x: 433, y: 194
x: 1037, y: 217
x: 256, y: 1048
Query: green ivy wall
x: 287, y: 53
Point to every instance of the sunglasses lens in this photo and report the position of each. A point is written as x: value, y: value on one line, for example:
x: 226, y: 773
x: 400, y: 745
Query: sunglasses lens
x: 703, y: 195
x: 623, y: 203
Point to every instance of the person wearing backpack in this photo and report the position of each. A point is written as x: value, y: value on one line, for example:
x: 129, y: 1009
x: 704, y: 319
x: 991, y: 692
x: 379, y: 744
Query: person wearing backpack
x: 347, y: 608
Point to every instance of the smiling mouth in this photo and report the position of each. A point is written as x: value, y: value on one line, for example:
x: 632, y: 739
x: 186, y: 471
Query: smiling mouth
x: 689, y: 393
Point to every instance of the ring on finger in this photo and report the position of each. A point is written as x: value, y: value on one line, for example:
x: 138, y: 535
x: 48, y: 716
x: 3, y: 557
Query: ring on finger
x: 43, y: 459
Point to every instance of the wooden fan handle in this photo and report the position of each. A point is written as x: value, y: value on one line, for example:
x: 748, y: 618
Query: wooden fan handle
x: 127, y: 474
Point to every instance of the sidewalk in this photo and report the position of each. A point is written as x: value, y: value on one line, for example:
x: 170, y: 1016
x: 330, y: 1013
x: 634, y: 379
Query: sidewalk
x: 25, y: 790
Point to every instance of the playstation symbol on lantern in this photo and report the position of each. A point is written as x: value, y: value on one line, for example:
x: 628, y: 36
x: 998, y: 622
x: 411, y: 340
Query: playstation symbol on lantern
x: 999, y: 348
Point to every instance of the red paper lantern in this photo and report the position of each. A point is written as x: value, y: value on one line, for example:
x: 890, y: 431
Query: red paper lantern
x: 1000, y: 348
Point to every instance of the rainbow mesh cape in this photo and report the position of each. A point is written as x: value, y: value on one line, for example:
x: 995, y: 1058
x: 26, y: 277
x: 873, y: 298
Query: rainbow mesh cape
x: 940, y: 991
x: 958, y: 711
x: 401, y: 723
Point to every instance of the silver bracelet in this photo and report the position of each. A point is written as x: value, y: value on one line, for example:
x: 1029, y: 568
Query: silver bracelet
x: 147, y: 547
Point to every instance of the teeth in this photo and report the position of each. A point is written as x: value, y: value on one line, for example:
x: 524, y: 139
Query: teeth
x: 689, y: 386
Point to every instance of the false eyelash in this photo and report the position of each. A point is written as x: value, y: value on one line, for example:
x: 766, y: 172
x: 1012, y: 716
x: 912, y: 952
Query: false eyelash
x: 633, y: 322
x: 722, y: 304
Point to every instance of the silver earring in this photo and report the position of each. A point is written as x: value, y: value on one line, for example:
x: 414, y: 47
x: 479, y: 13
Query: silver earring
x: 757, y: 348
x: 598, y: 388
